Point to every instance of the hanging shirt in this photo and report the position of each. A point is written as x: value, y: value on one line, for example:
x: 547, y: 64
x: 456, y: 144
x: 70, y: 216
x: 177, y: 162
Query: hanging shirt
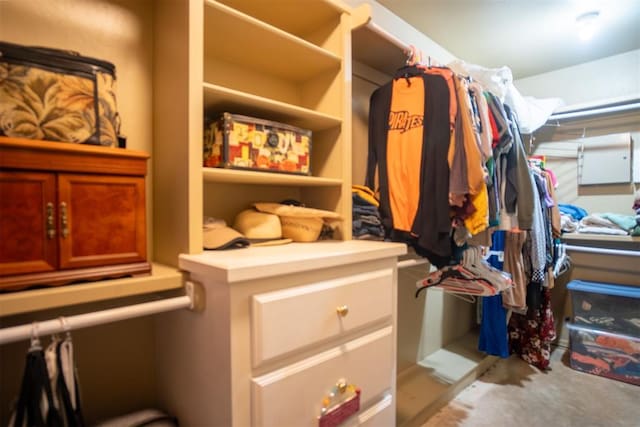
x: 485, y: 132
x: 449, y: 77
x: 429, y: 225
x: 404, y: 150
x: 478, y: 219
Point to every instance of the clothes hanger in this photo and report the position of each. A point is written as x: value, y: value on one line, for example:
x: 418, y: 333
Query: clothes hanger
x: 472, y: 260
x: 65, y: 327
x: 66, y: 393
x: 410, y: 68
x: 456, y: 279
x: 465, y: 297
x: 414, y: 56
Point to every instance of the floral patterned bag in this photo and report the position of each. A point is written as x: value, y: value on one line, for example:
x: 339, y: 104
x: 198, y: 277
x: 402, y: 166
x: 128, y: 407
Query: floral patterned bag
x: 57, y: 95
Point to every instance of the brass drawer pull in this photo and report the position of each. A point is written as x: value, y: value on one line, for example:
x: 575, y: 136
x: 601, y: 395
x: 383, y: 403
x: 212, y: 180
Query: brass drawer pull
x: 51, y: 222
x: 342, y: 310
x: 64, y: 223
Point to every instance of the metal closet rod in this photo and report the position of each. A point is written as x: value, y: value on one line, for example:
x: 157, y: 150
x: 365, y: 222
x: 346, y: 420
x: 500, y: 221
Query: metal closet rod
x: 596, y: 111
x: 64, y: 323
x: 603, y: 251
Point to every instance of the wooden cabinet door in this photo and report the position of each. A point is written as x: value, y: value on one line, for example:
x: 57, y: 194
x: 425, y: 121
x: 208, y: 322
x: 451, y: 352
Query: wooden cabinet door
x: 28, y: 237
x: 101, y: 220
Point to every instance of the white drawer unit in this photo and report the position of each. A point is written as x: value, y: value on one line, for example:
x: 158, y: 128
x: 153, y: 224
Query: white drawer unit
x: 284, y: 327
x: 286, y: 320
x: 292, y: 396
x: 380, y: 414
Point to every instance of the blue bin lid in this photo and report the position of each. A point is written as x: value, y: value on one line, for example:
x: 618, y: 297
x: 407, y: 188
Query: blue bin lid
x: 604, y: 288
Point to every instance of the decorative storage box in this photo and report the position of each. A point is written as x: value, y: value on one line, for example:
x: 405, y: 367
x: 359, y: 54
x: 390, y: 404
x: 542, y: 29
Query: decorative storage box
x: 606, y: 354
x: 235, y: 141
x: 606, y: 307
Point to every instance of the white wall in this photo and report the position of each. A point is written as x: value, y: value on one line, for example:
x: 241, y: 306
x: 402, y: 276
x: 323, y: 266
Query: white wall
x: 612, y: 77
x: 404, y: 32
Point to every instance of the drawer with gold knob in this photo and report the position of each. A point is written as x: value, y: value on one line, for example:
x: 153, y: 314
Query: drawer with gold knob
x: 286, y: 320
x: 308, y: 393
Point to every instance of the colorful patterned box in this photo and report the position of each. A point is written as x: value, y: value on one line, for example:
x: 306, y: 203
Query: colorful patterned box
x: 235, y: 141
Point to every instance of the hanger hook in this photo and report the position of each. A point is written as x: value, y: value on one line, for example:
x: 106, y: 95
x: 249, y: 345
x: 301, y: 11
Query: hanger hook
x: 65, y: 326
x: 35, y: 338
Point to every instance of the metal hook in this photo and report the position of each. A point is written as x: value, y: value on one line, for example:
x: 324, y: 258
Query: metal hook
x: 35, y: 339
x: 65, y: 326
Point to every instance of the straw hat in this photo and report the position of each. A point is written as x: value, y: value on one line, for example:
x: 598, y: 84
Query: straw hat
x: 294, y: 211
x: 260, y: 228
x: 300, y: 228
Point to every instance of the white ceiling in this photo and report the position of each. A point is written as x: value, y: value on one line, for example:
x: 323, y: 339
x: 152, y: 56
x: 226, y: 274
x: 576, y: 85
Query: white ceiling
x: 529, y: 36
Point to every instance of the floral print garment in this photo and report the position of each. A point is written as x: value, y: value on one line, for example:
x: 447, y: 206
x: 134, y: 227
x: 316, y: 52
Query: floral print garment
x: 531, y: 334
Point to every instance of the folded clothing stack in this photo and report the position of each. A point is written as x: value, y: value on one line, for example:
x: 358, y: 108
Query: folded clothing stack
x: 367, y: 224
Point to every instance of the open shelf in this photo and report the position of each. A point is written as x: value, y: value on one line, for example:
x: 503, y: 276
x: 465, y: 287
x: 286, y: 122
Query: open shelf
x: 238, y: 176
x: 284, y: 63
x: 379, y: 50
x: 162, y: 278
x: 244, y: 40
x: 422, y: 389
x: 300, y: 18
x: 222, y: 99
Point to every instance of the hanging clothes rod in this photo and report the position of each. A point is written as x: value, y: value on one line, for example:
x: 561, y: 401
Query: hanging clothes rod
x: 603, y: 251
x: 62, y: 324
x: 596, y: 111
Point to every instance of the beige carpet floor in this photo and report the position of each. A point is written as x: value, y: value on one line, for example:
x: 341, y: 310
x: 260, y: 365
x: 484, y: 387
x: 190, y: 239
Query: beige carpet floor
x: 513, y: 393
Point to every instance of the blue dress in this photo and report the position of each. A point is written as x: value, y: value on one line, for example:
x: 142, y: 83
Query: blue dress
x: 493, y: 327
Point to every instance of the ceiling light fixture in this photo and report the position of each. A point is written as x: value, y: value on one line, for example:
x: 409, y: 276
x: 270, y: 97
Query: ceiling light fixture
x: 587, y: 24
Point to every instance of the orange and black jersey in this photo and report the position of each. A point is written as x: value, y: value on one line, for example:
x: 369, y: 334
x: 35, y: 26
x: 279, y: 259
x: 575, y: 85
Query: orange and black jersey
x: 409, y: 134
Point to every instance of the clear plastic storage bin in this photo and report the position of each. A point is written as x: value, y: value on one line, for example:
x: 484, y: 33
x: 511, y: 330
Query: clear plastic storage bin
x: 606, y: 307
x: 606, y: 354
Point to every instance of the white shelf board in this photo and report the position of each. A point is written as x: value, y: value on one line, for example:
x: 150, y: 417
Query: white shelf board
x: 268, y: 261
x: 371, y: 47
x: 293, y: 16
x: 162, y: 278
x: 222, y: 99
x: 244, y: 40
x: 239, y: 176
x: 569, y: 237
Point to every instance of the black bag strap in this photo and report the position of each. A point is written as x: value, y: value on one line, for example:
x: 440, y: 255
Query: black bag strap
x: 35, y: 381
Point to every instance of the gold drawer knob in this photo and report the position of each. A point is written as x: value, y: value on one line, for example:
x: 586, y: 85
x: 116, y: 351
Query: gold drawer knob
x: 342, y: 310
